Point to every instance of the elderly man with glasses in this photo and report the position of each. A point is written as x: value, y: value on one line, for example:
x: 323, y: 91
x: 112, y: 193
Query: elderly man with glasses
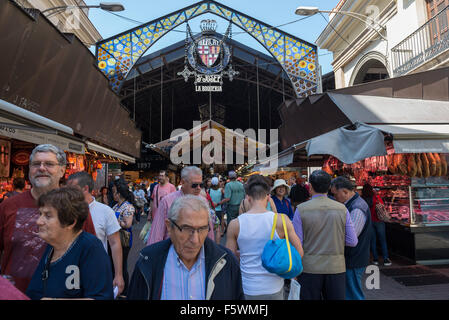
x: 188, y: 265
x: 20, y: 246
x: 192, y: 183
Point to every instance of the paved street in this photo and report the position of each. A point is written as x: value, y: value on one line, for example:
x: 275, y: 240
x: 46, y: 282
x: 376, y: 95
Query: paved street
x: 390, y: 289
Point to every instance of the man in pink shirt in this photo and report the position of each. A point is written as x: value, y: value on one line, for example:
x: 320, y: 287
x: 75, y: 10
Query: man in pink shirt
x: 192, y: 183
x: 161, y: 190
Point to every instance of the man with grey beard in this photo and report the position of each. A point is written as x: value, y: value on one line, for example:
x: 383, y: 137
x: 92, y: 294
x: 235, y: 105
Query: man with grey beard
x: 20, y: 246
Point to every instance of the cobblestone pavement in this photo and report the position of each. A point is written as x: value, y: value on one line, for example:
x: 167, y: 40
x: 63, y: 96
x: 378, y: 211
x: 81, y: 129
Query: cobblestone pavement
x: 389, y: 288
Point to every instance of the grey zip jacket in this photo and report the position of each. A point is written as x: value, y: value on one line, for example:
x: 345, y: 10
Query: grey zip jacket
x: 223, y: 276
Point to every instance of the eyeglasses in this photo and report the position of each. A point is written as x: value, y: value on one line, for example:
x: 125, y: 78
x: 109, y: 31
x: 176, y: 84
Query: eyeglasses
x: 196, y: 185
x: 46, y: 164
x: 189, y: 231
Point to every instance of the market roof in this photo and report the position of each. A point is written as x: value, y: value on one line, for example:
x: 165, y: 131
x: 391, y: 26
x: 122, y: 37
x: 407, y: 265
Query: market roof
x: 261, y: 81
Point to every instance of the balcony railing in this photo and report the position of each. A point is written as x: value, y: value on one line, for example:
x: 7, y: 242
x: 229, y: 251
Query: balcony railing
x: 424, y: 44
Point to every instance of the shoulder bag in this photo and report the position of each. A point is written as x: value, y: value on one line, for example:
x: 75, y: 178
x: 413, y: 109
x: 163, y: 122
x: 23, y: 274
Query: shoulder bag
x: 280, y: 257
x: 381, y: 211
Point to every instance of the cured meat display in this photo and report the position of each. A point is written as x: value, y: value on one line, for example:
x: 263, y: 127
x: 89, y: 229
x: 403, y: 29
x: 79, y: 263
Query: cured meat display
x: 417, y: 164
x: 419, y: 180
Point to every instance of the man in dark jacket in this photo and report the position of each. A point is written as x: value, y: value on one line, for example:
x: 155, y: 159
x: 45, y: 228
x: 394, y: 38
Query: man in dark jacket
x: 188, y: 265
x: 299, y: 192
x: 357, y: 258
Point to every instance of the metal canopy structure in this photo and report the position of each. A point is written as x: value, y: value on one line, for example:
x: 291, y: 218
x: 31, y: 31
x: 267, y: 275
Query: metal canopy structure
x: 117, y: 55
x: 157, y: 97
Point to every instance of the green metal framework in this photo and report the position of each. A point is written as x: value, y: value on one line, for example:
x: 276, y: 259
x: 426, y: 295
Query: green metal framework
x: 117, y: 55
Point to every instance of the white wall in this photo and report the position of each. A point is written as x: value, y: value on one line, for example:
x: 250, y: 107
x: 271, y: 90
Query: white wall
x: 410, y: 16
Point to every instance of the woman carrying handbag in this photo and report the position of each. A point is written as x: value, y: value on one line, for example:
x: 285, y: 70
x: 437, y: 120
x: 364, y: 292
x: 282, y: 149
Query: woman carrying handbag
x: 373, y: 201
x: 247, y: 237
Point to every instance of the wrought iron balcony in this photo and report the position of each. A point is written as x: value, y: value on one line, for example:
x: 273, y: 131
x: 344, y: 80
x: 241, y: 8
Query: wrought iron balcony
x: 423, y: 45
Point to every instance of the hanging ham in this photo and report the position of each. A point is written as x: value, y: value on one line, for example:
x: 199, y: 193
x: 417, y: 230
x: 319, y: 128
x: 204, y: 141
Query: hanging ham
x: 425, y: 165
x: 438, y: 171
x: 411, y: 165
x: 419, y: 170
x: 391, y: 164
x: 443, y: 164
x: 432, y: 164
x: 400, y: 161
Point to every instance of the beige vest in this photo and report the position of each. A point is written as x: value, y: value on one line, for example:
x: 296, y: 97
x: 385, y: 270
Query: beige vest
x: 323, y: 224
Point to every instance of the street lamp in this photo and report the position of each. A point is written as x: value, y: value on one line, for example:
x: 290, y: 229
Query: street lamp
x: 107, y: 6
x: 310, y: 11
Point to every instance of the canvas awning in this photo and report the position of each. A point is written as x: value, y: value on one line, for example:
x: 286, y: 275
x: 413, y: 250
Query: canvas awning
x: 418, y: 138
x: 109, y: 152
x: 24, y: 125
x: 349, y: 144
x: 195, y: 141
x: 416, y: 125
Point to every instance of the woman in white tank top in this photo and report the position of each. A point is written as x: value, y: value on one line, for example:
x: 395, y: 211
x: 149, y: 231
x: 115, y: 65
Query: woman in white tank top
x: 247, y: 237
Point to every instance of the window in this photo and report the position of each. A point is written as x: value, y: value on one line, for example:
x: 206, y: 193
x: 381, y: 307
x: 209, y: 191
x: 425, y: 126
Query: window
x: 439, y: 25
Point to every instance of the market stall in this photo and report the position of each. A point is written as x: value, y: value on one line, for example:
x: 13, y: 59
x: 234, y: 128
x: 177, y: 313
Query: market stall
x: 415, y: 189
x: 403, y: 134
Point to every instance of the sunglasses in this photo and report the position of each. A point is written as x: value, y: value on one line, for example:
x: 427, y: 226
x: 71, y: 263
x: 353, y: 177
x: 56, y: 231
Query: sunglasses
x: 196, y: 185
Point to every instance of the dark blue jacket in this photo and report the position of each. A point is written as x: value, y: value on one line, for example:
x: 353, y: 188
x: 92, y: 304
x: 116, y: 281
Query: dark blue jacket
x: 358, y: 257
x: 223, y: 276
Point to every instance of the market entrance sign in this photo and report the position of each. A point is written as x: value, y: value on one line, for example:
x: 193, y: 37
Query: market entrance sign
x: 117, y: 55
x: 208, y: 56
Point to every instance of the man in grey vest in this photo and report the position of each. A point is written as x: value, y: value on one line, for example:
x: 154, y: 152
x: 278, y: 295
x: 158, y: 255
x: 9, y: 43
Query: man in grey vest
x: 357, y: 258
x: 324, y: 228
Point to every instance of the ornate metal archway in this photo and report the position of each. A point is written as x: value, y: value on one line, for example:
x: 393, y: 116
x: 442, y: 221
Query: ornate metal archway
x: 117, y: 55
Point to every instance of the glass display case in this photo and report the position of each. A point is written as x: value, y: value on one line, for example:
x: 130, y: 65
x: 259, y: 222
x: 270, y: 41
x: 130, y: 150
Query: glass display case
x: 423, y: 202
x: 430, y: 201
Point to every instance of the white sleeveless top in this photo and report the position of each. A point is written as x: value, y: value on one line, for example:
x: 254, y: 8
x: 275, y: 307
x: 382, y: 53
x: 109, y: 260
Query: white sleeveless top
x: 255, y: 231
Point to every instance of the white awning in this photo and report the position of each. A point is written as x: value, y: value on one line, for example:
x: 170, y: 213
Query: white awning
x: 418, y: 138
x: 15, y: 110
x: 112, y: 153
x: 36, y: 135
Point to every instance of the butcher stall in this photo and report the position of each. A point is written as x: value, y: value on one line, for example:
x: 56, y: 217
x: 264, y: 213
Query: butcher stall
x: 400, y: 146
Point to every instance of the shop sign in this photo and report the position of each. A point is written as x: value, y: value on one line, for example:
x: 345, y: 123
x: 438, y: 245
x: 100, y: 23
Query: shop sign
x: 144, y: 165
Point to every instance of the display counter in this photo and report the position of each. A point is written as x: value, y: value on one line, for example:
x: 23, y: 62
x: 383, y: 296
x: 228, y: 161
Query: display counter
x: 419, y: 228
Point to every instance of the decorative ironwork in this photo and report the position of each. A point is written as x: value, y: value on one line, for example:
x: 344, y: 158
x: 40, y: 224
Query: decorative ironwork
x: 430, y: 40
x: 117, y: 55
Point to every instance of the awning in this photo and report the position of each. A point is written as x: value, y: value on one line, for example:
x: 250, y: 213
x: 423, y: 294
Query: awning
x: 418, y: 138
x: 349, y: 144
x: 36, y: 134
x: 196, y: 140
x: 271, y: 165
x: 10, y: 108
x: 319, y: 114
x: 112, y: 153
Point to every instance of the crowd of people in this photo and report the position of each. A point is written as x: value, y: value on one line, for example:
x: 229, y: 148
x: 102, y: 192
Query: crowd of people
x: 57, y: 241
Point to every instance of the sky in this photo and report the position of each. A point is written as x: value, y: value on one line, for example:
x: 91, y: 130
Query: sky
x: 273, y: 12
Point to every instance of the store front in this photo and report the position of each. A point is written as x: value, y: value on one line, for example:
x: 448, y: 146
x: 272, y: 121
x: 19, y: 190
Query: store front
x: 410, y: 173
x: 20, y: 132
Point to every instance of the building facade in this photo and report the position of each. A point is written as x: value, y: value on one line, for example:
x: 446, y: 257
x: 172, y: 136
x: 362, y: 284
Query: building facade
x: 67, y: 20
x: 399, y: 37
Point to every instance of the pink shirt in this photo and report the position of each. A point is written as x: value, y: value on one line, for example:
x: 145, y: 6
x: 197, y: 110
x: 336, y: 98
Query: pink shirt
x: 159, y: 192
x: 158, y: 229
